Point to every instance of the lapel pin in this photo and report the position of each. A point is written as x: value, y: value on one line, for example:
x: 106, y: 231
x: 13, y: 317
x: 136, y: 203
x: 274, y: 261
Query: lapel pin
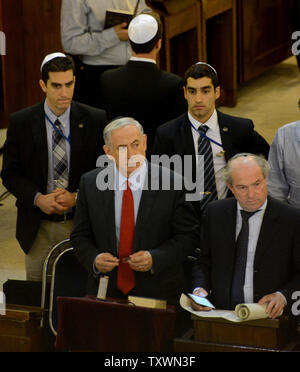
x: 225, y: 129
x: 80, y: 125
x: 221, y: 153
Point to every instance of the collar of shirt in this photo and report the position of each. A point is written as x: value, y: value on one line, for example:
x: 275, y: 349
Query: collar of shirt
x: 261, y: 209
x: 64, y: 118
x: 139, y: 59
x: 212, y: 122
x: 136, y: 179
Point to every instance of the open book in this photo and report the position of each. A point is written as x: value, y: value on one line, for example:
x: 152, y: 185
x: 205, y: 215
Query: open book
x: 242, y: 312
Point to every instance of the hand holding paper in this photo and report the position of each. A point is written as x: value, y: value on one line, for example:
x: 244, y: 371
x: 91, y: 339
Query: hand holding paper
x: 199, y: 302
x: 275, y: 304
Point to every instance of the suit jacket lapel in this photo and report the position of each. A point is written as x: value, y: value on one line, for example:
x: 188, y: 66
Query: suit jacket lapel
x: 145, y: 208
x: 229, y: 232
x: 187, y: 137
x: 78, y: 137
x: 39, y: 134
x: 268, y: 226
x: 187, y: 141
x: 225, y: 133
x: 108, y: 202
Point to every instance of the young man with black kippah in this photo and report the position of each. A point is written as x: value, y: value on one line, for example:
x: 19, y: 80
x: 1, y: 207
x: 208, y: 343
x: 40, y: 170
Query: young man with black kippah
x: 48, y: 147
x: 205, y: 139
x: 225, y: 135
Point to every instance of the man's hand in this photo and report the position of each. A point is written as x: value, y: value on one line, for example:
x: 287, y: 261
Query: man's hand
x: 140, y: 261
x: 105, y: 262
x: 48, y: 204
x: 201, y: 293
x: 276, y: 304
x: 65, y: 198
x: 121, y: 31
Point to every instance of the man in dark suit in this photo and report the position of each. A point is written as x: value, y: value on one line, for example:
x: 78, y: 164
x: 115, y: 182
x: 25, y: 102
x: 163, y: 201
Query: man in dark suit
x: 140, y: 89
x: 268, y: 269
x: 163, y: 230
x: 48, y: 147
x: 228, y: 135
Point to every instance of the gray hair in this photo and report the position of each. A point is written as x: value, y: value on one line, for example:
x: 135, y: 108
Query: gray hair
x: 119, y: 123
x: 260, y: 160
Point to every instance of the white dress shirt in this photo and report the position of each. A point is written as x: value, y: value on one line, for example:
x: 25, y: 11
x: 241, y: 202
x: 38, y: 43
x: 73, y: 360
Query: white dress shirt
x: 255, y: 222
x: 140, y: 59
x: 213, y: 132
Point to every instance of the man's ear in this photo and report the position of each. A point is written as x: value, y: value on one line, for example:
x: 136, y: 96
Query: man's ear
x: 218, y: 92
x: 185, y: 92
x: 43, y: 85
x: 158, y: 44
x: 230, y: 187
x: 108, y: 153
x: 145, y: 141
x: 107, y: 149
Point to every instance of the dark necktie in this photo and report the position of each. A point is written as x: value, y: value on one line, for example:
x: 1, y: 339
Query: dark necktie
x: 204, y: 149
x: 237, y: 290
x: 126, y: 279
x: 60, y: 160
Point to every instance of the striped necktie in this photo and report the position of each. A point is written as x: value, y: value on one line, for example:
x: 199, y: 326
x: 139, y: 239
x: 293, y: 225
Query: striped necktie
x: 60, y: 160
x: 204, y: 149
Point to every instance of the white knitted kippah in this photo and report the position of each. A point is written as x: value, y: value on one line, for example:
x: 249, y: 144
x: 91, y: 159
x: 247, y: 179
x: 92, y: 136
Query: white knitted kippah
x: 142, y: 28
x: 51, y: 56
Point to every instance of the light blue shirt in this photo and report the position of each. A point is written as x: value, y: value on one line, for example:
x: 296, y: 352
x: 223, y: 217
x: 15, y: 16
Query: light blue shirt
x: 83, y: 34
x: 284, y: 159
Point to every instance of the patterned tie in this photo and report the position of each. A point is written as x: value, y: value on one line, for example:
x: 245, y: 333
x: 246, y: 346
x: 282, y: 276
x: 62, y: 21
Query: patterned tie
x: 60, y: 160
x: 237, y: 289
x: 204, y: 149
x: 126, y: 279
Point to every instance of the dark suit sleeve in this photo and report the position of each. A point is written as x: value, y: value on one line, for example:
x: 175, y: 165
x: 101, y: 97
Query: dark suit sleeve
x: 254, y: 142
x: 13, y: 176
x: 177, y: 102
x: 185, y: 236
x: 202, y: 267
x: 81, y: 237
x: 293, y: 284
x: 260, y: 145
x: 162, y: 143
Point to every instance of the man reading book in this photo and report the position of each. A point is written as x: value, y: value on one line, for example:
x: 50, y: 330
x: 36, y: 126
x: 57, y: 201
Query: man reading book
x: 98, y: 49
x: 250, y: 244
